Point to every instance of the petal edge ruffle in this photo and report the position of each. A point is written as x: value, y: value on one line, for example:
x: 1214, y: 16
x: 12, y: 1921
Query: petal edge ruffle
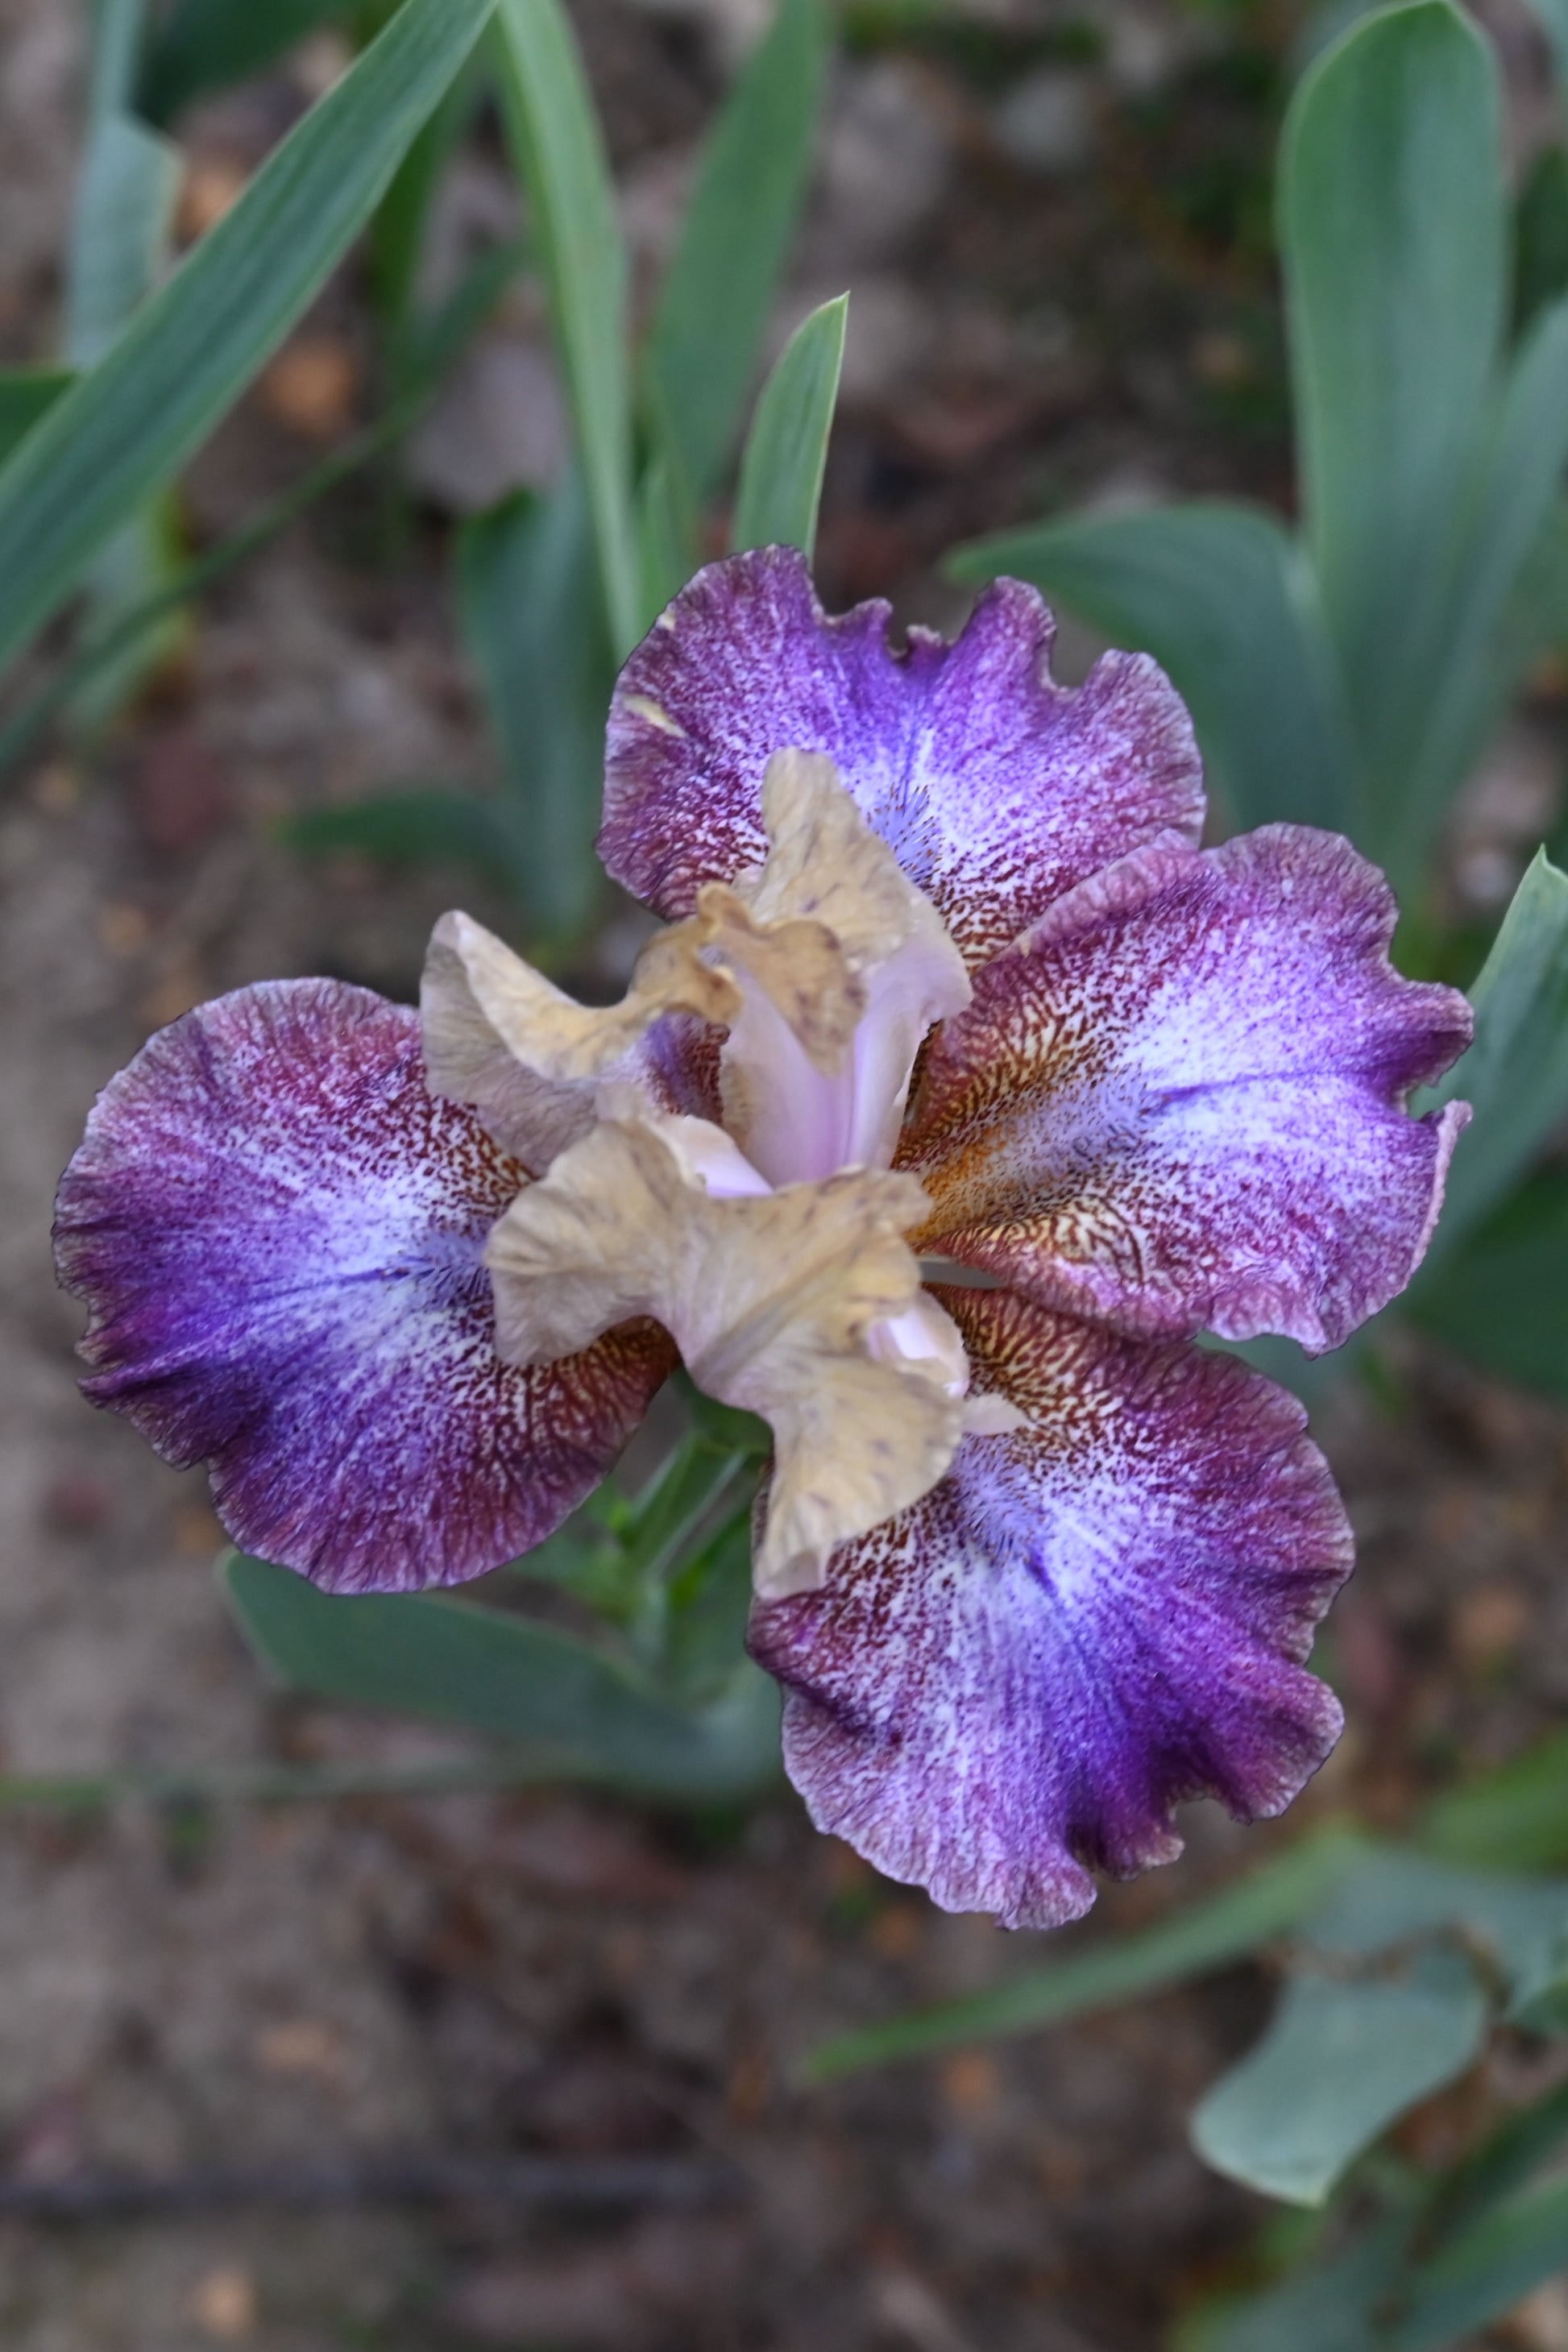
x: 1012, y: 1685
x: 997, y: 789
x: 279, y: 1231
x: 1178, y: 1102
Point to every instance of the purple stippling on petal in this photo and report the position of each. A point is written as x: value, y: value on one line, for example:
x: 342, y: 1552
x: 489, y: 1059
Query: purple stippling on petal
x: 278, y: 1230
x: 997, y: 789
x: 1010, y: 1686
x: 1179, y: 1103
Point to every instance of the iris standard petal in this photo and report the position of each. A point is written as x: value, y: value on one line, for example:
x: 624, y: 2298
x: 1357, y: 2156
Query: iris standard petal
x: 997, y: 789
x: 1179, y: 1102
x: 279, y: 1231
x: 807, y: 1095
x: 1010, y: 1686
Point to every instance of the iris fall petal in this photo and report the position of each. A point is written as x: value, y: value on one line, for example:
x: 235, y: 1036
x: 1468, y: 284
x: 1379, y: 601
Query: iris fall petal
x: 1088, y: 1621
x: 279, y: 1234
x: 1179, y: 1102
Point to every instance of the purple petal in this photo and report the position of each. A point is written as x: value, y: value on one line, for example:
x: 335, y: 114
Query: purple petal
x: 1010, y: 1686
x: 997, y: 789
x: 1180, y: 1102
x: 278, y: 1230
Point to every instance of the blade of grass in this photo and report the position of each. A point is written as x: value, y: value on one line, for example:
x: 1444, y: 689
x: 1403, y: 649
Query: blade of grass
x: 102, y: 650
x: 717, y: 291
x: 786, y: 450
x: 533, y: 626
x: 1392, y: 233
x: 398, y: 230
x: 1515, y: 1074
x: 119, y: 238
x: 559, y: 155
x: 120, y: 432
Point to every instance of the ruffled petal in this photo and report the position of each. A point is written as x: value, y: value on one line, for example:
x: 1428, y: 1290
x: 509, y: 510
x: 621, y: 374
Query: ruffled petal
x: 791, y: 1305
x: 1011, y: 1686
x: 279, y: 1233
x: 1179, y: 1102
x: 997, y: 789
x: 526, y: 1057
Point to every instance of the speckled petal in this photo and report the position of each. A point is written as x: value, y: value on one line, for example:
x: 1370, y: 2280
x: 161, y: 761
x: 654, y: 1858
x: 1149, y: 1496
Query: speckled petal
x: 1010, y: 1686
x: 1180, y: 1102
x: 997, y: 789
x: 279, y: 1231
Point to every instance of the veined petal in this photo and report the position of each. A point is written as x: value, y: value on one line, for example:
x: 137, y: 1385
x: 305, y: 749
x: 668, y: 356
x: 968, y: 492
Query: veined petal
x: 776, y: 1301
x: 1179, y: 1102
x: 279, y: 1233
x: 1011, y: 1686
x: 997, y: 789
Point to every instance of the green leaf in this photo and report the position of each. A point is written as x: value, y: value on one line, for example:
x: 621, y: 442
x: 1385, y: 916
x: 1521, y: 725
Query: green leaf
x: 1324, y: 2306
x: 122, y: 240
x: 1541, y: 235
x: 120, y: 432
x: 1519, y: 1925
x: 709, y: 1604
x: 583, y: 1715
x: 120, y: 236
x: 1208, y: 1935
x: 398, y: 230
x: 118, y: 28
x: 665, y: 560
x: 1515, y: 1076
x: 1484, y: 2270
x: 1553, y: 14
x: 1223, y: 599
x: 1393, y: 228
x: 560, y: 154
x: 429, y: 343
x: 1501, y: 1296
x: 1479, y: 649
x: 205, y: 45
x: 534, y: 624
x: 1343, y: 2057
x: 786, y: 448
x: 1505, y: 2162
x: 26, y: 395
x: 137, y: 567
x: 417, y: 827
x: 718, y: 289
x: 1516, y: 1818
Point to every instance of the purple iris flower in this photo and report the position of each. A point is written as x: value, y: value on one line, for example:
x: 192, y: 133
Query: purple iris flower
x: 961, y: 1092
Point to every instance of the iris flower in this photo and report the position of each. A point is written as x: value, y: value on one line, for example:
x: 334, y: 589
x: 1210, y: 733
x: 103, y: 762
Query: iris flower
x: 961, y: 1092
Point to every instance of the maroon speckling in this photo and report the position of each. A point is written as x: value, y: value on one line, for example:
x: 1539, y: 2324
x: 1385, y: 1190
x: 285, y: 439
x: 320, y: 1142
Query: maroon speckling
x: 279, y: 1231
x: 1011, y: 1685
x: 997, y: 789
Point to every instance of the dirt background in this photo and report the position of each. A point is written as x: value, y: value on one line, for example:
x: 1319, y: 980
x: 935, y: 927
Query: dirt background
x: 1055, y: 223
